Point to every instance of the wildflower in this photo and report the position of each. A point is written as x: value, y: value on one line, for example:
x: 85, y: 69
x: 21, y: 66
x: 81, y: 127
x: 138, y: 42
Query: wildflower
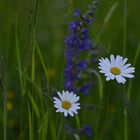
x: 78, y: 42
x: 116, y: 68
x: 87, y: 130
x: 67, y: 103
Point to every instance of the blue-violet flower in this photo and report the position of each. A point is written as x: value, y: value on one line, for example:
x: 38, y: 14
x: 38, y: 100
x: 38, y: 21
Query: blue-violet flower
x: 78, y: 44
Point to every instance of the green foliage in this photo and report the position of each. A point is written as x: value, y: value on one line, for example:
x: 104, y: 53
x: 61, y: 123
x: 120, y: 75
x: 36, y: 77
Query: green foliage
x: 32, y: 45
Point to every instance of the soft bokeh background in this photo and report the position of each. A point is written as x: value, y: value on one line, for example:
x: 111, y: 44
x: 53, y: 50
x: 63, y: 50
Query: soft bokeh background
x: 52, y: 18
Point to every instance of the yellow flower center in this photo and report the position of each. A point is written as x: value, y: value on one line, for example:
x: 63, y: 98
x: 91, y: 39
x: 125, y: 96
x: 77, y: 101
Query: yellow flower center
x: 115, y: 70
x: 66, y: 105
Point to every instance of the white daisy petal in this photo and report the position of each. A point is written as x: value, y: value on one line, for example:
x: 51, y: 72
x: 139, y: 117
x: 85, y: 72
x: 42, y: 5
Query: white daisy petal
x: 57, y: 102
x: 65, y: 113
x: 110, y: 75
x: 129, y: 70
x: 67, y: 104
x: 74, y: 100
x: 105, y: 62
x: 108, y: 63
x: 75, y: 111
x: 56, y: 99
x: 112, y: 58
x: 76, y: 105
x: 127, y: 75
x: 116, y: 68
x: 67, y: 94
x: 59, y: 94
x: 123, y: 61
x: 108, y: 78
x: 118, y: 78
x: 57, y: 106
x: 58, y: 110
x: 118, y: 58
x: 102, y: 71
x: 64, y: 94
x: 122, y: 79
x: 100, y: 60
x: 126, y: 66
x: 71, y: 113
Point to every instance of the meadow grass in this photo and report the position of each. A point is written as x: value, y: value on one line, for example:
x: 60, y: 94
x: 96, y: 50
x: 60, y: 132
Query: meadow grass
x: 32, y: 66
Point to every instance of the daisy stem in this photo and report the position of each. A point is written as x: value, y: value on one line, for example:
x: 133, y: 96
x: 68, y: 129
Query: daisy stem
x: 125, y: 125
x: 78, y: 122
x: 99, y: 81
x: 125, y: 113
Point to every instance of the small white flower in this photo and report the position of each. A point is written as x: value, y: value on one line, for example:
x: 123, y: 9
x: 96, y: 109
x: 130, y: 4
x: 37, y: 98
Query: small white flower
x: 116, y: 68
x: 67, y: 103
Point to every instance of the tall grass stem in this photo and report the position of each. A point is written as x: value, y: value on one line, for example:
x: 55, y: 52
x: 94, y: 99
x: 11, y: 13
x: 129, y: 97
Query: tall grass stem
x: 4, y: 95
x: 124, y: 53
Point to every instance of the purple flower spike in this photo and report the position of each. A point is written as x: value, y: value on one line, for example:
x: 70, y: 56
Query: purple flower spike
x: 77, y: 42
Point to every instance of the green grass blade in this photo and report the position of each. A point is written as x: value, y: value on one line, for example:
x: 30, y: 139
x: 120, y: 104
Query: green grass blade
x: 34, y: 105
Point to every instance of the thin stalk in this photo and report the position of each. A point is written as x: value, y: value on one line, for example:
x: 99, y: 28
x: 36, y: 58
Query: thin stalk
x: 60, y: 129
x: 124, y: 53
x: 5, y: 119
x: 129, y: 91
x: 125, y: 113
x: 33, y: 62
x: 134, y: 63
x: 125, y: 125
x: 62, y: 73
x: 100, y: 88
x: 70, y: 6
x: 100, y: 83
x: 107, y: 19
x: 20, y: 74
x: 30, y: 123
x: 52, y: 124
x: 4, y: 96
x: 43, y: 63
x: 78, y: 122
x: 125, y: 27
x: 32, y: 25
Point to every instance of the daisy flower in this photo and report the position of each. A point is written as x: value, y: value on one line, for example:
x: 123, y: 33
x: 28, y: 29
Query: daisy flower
x: 67, y: 103
x: 116, y: 68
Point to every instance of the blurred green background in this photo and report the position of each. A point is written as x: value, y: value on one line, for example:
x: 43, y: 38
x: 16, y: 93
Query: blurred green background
x: 51, y: 29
